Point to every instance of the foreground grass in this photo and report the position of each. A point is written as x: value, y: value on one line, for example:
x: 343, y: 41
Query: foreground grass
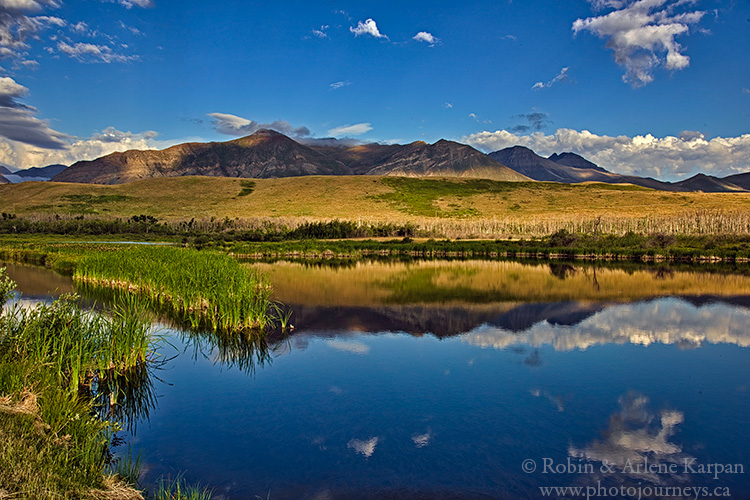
x: 55, y: 361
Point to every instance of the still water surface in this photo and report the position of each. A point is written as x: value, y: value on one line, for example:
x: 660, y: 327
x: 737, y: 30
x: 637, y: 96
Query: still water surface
x: 455, y: 379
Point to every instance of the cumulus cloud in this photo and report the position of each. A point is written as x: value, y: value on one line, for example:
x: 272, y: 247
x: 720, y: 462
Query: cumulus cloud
x: 368, y: 27
x: 109, y: 140
x: 338, y: 85
x: 561, y: 77
x: 427, y: 38
x: 17, y: 120
x: 92, y: 53
x: 357, y: 129
x: 641, y: 34
x: 17, y: 27
x: 225, y: 123
x: 668, y: 158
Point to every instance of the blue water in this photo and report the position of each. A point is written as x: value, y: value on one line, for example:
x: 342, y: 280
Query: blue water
x: 337, y: 412
x: 391, y: 415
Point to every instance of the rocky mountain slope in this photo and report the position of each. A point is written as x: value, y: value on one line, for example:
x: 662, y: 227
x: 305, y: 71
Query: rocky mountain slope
x: 269, y: 154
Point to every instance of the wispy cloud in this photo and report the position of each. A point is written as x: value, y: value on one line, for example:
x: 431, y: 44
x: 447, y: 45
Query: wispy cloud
x: 427, y: 38
x: 746, y: 91
x: 321, y: 33
x: 561, y: 77
x: 129, y: 4
x: 93, y: 53
x: 447, y: 105
x: 338, y: 85
x: 348, y: 346
x: 668, y: 158
x: 228, y: 124
x: 368, y: 27
x: 357, y: 129
x: 642, y: 34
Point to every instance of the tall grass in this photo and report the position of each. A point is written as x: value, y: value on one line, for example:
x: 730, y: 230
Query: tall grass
x: 57, y: 362
x: 207, y: 289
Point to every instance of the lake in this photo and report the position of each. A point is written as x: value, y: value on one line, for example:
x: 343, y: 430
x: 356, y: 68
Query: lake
x: 461, y: 379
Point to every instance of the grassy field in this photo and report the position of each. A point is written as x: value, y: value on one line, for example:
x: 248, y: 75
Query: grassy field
x: 442, y: 207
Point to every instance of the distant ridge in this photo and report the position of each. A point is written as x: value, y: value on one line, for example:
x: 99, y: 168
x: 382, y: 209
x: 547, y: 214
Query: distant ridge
x: 572, y: 168
x: 3, y: 180
x: 269, y: 154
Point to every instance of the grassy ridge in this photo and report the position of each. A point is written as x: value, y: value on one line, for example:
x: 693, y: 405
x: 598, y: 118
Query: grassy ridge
x: 440, y: 208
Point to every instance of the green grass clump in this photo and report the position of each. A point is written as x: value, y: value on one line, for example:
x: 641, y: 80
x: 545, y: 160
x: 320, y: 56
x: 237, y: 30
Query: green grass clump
x: 207, y: 289
x: 178, y: 489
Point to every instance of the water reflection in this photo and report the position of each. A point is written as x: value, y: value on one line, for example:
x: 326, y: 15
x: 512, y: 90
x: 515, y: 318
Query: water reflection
x: 637, y: 446
x: 662, y: 321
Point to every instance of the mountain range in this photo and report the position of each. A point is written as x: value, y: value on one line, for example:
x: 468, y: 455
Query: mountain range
x: 572, y: 168
x: 270, y: 154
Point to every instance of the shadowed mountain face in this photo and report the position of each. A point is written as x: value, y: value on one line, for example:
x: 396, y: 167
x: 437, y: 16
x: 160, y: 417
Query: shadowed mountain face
x: 269, y: 154
x: 5, y: 170
x: 3, y: 180
x: 572, y: 168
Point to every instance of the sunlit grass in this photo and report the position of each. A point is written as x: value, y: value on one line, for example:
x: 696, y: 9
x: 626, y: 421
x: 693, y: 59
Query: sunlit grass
x: 207, y: 289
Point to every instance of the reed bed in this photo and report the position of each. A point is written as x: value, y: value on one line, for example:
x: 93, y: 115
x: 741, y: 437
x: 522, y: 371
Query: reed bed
x: 57, y: 363
x: 204, y: 288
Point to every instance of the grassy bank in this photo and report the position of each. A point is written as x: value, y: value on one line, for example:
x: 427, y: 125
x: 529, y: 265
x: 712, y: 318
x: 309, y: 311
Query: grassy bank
x: 560, y: 245
x: 56, y: 363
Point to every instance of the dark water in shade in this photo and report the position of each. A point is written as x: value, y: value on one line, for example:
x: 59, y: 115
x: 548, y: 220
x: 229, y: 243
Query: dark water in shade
x: 451, y: 390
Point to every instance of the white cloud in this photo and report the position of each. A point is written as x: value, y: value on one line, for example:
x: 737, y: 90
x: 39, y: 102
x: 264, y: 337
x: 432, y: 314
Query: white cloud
x: 357, y: 129
x: 228, y: 124
x: 92, y: 53
x: 447, y: 105
x: 428, y: 38
x: 667, y: 158
x: 338, y: 85
x: 321, y: 33
x: 17, y: 27
x: 128, y: 4
x: 109, y: 140
x: 561, y: 77
x: 746, y: 91
x: 642, y: 35
x: 17, y: 120
x: 368, y: 27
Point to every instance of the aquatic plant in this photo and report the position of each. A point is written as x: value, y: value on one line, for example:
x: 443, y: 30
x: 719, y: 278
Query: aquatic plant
x: 207, y: 289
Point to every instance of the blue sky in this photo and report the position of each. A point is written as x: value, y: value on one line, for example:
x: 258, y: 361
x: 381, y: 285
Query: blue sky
x: 651, y: 87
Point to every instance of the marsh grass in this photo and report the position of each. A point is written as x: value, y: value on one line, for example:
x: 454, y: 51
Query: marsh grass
x: 56, y: 362
x: 208, y: 290
x: 178, y: 489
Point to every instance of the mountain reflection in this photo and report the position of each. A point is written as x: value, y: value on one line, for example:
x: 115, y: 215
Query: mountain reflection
x: 662, y: 321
